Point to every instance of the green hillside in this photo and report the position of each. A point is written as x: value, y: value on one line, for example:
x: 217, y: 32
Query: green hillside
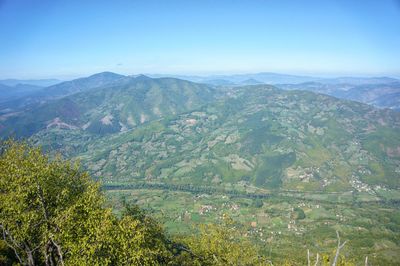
x: 255, y: 135
x: 109, y: 109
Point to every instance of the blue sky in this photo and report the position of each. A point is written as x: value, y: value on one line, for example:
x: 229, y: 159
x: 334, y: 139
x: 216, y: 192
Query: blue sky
x: 63, y: 39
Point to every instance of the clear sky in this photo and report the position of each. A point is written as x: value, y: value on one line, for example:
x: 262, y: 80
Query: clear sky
x: 69, y: 38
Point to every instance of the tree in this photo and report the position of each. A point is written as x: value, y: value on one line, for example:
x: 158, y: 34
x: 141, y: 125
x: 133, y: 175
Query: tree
x: 258, y: 203
x: 220, y: 244
x: 52, y: 213
x: 299, y: 213
x: 7, y: 256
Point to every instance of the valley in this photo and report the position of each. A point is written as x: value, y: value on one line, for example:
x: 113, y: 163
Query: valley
x: 289, y: 167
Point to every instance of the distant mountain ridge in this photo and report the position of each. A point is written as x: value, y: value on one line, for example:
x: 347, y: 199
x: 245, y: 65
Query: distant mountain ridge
x: 354, y: 88
x: 277, y: 78
x: 78, y: 85
x: 240, y: 79
x: 61, y: 90
x: 371, y: 91
x: 107, y: 103
x: 11, y: 92
x: 358, y: 80
x: 382, y: 92
x: 34, y: 82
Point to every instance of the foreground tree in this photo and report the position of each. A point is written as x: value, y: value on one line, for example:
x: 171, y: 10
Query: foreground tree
x: 52, y: 213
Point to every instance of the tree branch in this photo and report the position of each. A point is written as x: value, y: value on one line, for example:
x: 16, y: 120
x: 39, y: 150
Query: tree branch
x: 59, y: 252
x: 316, y: 262
x: 7, y: 234
x: 339, y: 247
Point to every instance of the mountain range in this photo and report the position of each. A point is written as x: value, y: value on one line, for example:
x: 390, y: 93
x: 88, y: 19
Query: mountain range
x: 374, y: 92
x: 382, y: 92
x: 244, y: 79
x: 129, y: 129
x: 34, y: 82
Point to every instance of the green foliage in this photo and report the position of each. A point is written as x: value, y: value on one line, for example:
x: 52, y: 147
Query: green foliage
x: 299, y: 213
x: 51, y: 212
x: 221, y: 245
x: 7, y: 256
x: 271, y: 167
x: 258, y: 203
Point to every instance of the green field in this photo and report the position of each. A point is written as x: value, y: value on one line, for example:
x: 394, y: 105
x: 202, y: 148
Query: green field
x: 284, y: 224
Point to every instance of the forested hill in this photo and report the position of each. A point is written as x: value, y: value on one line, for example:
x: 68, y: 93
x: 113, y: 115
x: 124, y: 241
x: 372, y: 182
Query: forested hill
x: 167, y: 130
x: 98, y: 108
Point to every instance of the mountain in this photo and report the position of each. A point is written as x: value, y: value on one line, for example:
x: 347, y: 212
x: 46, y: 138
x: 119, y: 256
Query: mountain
x: 279, y: 79
x: 8, y: 93
x: 225, y: 82
x: 172, y: 131
x: 60, y: 90
x: 382, y: 95
x: 268, y: 78
x: 121, y: 105
x: 218, y: 82
x: 34, y: 82
x: 240, y: 79
x: 251, y: 82
x: 5, y: 92
x: 263, y: 136
x: 359, y: 80
x: 391, y: 100
x: 82, y: 84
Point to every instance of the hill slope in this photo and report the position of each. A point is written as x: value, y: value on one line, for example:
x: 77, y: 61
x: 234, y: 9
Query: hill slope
x: 370, y: 91
x: 111, y: 108
x: 8, y: 92
x: 257, y: 136
x: 60, y: 90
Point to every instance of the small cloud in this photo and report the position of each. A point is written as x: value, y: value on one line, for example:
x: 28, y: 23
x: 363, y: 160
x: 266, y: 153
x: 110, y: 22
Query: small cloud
x: 120, y: 64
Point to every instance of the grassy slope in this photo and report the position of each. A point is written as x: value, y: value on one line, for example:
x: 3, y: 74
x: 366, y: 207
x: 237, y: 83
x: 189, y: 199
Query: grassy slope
x: 259, y: 135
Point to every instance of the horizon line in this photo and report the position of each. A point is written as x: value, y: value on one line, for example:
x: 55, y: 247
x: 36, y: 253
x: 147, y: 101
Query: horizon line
x: 327, y: 75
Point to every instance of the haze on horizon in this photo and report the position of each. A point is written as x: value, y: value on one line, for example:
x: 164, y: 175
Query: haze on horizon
x: 54, y: 39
